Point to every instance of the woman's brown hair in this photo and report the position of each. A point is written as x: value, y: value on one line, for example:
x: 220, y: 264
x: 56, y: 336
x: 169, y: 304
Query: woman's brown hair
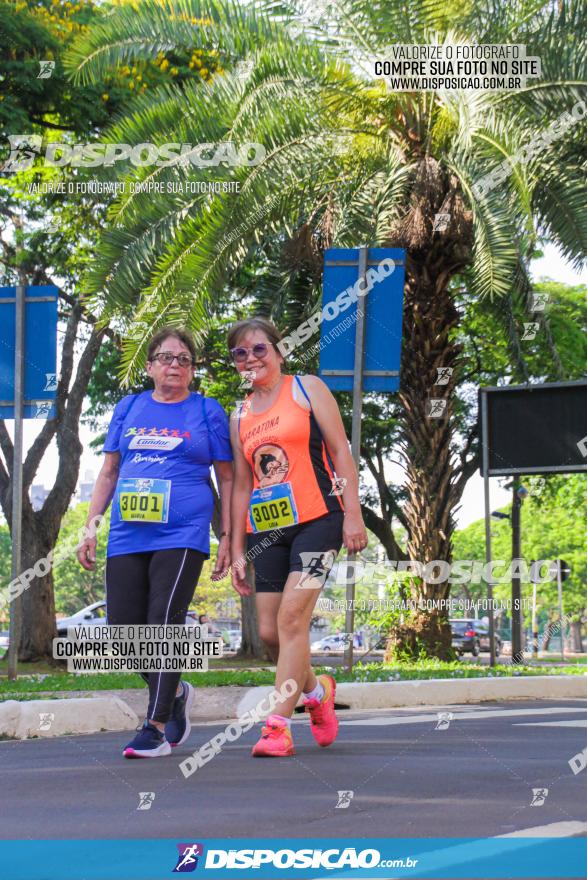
x: 183, y: 336
x: 238, y: 330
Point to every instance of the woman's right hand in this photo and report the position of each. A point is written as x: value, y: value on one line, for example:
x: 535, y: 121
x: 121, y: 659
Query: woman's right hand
x: 239, y: 576
x: 86, y: 553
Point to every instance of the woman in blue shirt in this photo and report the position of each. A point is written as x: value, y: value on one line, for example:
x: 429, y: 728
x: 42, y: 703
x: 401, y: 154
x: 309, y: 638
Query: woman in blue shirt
x: 158, y: 453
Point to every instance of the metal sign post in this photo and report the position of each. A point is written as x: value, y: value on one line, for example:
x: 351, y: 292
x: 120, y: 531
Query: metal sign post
x: 488, y: 580
x: 356, y: 451
x: 28, y: 390
x: 364, y: 357
x: 16, y: 605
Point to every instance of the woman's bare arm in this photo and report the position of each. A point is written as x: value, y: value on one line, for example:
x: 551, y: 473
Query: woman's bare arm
x: 241, y: 495
x: 327, y: 414
x: 224, y: 477
x: 101, y: 498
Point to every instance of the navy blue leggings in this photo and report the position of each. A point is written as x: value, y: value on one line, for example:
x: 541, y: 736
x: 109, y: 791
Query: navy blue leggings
x: 154, y: 587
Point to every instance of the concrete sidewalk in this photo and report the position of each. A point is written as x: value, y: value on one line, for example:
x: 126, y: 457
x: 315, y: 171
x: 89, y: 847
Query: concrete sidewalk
x: 95, y: 711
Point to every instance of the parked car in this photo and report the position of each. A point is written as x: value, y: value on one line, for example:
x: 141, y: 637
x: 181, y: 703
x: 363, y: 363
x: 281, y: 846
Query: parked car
x: 472, y: 636
x: 234, y: 641
x: 3, y: 642
x: 91, y: 615
x: 193, y: 619
x: 330, y: 644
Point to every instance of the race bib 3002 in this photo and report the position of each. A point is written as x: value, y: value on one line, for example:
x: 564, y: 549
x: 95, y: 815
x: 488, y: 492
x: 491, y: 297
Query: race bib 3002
x: 272, y: 507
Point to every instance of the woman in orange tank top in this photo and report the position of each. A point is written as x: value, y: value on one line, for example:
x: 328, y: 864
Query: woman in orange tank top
x: 295, y: 502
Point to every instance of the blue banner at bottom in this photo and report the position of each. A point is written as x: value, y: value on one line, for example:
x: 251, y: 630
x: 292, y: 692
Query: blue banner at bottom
x: 314, y: 859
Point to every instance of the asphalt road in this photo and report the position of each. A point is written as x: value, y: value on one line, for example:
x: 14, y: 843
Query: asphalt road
x: 409, y: 779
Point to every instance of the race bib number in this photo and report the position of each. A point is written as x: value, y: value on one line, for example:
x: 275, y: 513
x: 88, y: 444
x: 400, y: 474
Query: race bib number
x: 273, y: 507
x: 143, y: 500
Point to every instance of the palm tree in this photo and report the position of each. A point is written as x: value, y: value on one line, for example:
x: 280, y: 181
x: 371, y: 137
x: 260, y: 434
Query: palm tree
x: 348, y: 160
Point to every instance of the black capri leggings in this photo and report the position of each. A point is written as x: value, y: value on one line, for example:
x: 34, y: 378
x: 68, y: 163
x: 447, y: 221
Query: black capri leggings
x: 154, y: 587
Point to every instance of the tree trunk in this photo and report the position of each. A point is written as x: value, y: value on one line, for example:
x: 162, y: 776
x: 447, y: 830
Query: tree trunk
x: 576, y: 640
x: 427, y: 443
x: 251, y: 645
x: 38, y: 602
x: 41, y: 528
x: 435, y: 479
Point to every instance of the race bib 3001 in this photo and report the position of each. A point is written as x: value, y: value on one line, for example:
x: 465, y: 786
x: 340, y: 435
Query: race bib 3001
x: 144, y: 500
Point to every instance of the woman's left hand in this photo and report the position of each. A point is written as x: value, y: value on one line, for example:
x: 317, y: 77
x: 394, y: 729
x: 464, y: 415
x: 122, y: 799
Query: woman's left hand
x: 354, y: 533
x: 222, y: 564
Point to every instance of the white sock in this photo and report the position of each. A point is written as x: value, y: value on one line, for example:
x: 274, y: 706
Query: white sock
x: 316, y: 693
x: 283, y: 718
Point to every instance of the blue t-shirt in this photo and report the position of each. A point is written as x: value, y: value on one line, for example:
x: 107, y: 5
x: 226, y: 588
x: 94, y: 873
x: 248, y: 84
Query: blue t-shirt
x: 163, y: 497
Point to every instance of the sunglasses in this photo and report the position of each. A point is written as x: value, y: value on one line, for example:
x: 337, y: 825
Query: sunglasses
x: 260, y: 350
x: 167, y: 357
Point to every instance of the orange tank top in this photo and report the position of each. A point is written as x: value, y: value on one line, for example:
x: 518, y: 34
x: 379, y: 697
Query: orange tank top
x: 293, y: 474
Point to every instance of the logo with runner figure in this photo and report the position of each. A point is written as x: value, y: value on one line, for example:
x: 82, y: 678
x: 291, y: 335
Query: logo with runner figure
x: 316, y: 568
x: 187, y: 860
x: 271, y: 464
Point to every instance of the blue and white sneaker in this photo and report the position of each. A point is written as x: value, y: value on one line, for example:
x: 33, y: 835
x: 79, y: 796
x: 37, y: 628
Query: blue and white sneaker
x: 148, y: 743
x: 178, y: 727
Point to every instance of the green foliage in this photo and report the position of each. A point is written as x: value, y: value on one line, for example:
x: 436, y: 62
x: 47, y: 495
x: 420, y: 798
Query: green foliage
x: 32, y: 32
x: 27, y: 687
x: 215, y: 598
x: 304, y: 103
x: 104, y: 391
x: 553, y: 526
x: 60, y: 111
x: 5, y: 567
x: 116, y: 680
x: 566, y: 311
x: 74, y: 586
x: 43, y: 30
x: 429, y: 668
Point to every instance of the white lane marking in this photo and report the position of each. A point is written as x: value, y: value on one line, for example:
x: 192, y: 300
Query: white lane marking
x: 554, y: 829
x: 569, y: 723
x: 463, y: 716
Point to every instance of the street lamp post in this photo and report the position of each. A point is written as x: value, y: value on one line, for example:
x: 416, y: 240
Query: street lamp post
x: 519, y: 493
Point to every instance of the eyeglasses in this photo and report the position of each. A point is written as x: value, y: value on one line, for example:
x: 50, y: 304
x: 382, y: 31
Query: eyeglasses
x: 260, y: 350
x: 167, y: 357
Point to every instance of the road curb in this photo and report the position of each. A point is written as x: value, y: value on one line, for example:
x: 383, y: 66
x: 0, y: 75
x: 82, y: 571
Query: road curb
x: 440, y: 692
x: 111, y: 711
x: 48, y: 718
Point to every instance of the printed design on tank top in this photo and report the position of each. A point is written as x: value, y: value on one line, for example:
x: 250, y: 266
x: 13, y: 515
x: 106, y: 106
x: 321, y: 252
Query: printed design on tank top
x: 270, y: 463
x: 267, y: 425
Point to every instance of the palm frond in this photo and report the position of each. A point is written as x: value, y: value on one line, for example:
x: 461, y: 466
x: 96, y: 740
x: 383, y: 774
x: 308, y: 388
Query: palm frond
x: 141, y: 30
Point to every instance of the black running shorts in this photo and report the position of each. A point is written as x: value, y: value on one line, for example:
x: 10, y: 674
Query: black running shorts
x: 303, y: 547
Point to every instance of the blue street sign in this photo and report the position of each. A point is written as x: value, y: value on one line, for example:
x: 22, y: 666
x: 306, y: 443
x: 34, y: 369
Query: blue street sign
x: 40, y: 352
x: 383, y: 302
